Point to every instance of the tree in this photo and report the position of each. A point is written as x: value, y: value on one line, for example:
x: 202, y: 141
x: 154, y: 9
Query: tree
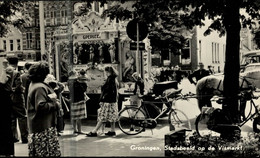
x: 165, y: 25
x: 226, y: 19
x: 10, y: 14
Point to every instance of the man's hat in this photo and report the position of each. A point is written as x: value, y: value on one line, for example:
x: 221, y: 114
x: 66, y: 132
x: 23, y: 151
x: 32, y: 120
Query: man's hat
x: 201, y: 64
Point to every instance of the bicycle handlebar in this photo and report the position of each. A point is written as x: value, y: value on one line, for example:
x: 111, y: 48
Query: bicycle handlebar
x: 185, y: 96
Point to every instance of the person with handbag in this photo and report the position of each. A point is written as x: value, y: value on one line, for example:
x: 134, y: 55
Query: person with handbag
x: 77, y: 90
x: 108, y: 103
x: 42, y: 110
x: 58, y: 88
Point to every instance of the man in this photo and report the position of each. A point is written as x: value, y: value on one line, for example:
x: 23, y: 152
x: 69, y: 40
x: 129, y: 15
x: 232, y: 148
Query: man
x: 178, y: 74
x: 18, y: 105
x: 25, y: 80
x: 198, y: 74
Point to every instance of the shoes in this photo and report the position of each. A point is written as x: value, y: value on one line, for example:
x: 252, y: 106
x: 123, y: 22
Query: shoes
x: 110, y: 133
x: 91, y: 134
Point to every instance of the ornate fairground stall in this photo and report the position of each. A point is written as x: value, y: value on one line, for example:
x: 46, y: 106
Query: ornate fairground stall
x: 95, y: 43
x: 100, y: 42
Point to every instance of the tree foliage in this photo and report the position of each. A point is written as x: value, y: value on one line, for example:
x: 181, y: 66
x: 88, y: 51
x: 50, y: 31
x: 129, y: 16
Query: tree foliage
x: 10, y: 14
x: 166, y: 29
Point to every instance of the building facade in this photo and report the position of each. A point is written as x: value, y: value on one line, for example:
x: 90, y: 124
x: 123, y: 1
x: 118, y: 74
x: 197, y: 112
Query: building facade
x: 11, y: 44
x: 31, y: 32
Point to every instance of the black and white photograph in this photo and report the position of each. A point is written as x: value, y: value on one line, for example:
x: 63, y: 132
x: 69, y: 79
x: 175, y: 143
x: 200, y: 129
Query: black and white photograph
x: 130, y: 78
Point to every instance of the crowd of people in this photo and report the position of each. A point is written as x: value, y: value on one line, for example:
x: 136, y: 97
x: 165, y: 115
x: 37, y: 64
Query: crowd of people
x: 33, y: 98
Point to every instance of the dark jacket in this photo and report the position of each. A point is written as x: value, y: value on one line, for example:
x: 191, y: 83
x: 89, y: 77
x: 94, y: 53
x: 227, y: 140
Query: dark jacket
x: 198, y: 74
x: 139, y: 83
x: 178, y: 75
x: 41, y: 110
x: 77, y: 90
x: 109, y: 90
x: 25, y: 83
x: 6, y: 134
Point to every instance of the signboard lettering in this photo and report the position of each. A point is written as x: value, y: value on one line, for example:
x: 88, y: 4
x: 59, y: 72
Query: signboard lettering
x: 95, y: 36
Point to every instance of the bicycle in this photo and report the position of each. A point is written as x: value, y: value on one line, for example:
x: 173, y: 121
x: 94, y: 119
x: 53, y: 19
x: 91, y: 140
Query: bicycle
x: 205, y: 126
x: 134, y: 120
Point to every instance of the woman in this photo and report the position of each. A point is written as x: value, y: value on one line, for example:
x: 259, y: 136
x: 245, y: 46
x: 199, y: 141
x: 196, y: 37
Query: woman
x: 77, y: 89
x: 58, y: 88
x: 108, y: 103
x: 42, y: 108
x: 129, y: 67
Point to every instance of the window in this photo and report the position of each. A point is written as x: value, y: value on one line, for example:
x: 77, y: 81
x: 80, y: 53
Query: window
x: 215, y: 47
x: 64, y: 18
x: 11, y: 45
x: 224, y: 53
x: 200, y: 50
x: 37, y: 22
x: 29, y: 40
x: 38, y: 45
x: 29, y: 56
x: 186, y: 54
x: 215, y: 52
x: 218, y: 53
x: 96, y: 7
x: 52, y: 36
x: 18, y: 44
x: 53, y: 19
x: 4, y: 45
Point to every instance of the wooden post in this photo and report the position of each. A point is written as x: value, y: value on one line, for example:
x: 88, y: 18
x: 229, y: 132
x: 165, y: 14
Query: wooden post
x: 42, y: 31
x: 137, y: 50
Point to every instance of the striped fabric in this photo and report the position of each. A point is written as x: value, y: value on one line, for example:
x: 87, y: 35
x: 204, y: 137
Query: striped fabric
x: 78, y: 110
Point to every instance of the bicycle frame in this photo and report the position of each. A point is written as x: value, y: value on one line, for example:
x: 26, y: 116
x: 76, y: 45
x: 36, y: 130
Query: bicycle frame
x: 164, y: 100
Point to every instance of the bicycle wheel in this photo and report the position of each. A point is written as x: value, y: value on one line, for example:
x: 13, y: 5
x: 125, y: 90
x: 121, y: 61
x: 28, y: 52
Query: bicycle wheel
x: 179, y: 120
x: 202, y: 127
x: 256, y: 124
x: 127, y: 119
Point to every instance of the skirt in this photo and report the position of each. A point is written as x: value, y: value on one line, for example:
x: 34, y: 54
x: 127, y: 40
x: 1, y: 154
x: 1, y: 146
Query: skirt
x: 44, y: 144
x: 108, y: 112
x: 78, y: 110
